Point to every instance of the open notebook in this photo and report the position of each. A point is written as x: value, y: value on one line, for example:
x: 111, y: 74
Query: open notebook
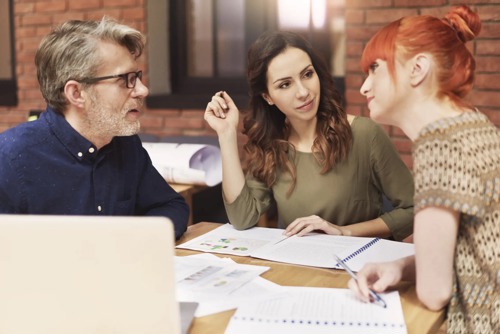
x: 314, y: 249
x: 87, y: 274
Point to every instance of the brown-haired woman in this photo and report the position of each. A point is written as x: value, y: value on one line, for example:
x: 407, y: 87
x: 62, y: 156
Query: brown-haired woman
x: 326, y: 170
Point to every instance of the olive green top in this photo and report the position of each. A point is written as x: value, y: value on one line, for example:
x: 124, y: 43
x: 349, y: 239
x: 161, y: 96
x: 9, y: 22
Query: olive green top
x: 352, y: 192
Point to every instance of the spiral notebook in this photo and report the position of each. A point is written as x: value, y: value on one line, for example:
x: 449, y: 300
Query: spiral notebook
x: 318, y: 311
x: 314, y: 249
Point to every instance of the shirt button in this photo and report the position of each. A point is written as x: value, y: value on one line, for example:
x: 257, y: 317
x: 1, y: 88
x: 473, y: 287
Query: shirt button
x: 99, y: 208
x: 91, y: 150
x: 80, y: 154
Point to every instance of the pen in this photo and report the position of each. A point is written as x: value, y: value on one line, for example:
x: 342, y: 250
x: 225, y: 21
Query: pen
x: 374, y: 295
x: 284, y: 239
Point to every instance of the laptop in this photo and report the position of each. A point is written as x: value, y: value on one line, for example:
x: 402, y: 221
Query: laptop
x: 86, y: 275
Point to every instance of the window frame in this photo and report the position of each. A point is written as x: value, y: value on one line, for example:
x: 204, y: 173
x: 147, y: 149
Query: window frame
x: 190, y: 92
x: 8, y: 87
x: 178, y: 90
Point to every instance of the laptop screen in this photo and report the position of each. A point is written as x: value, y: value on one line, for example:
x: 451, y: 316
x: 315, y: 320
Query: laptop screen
x: 87, y: 274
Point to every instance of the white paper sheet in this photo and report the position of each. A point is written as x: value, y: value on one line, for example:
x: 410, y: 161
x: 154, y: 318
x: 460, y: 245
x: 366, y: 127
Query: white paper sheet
x: 318, y: 311
x: 211, y: 300
x: 186, y: 163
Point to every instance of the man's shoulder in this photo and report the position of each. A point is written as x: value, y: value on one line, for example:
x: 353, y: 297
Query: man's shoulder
x: 21, y: 137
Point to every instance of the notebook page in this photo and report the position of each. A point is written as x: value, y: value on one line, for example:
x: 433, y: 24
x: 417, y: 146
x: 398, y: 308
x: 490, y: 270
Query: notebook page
x: 314, y: 250
x: 379, y: 250
x: 318, y: 311
x: 227, y: 240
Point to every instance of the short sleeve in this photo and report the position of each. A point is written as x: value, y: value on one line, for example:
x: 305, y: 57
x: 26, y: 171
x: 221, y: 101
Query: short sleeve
x: 445, y: 176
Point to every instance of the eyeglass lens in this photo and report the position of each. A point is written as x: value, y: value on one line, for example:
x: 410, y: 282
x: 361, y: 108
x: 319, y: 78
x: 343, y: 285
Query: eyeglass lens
x: 132, y: 78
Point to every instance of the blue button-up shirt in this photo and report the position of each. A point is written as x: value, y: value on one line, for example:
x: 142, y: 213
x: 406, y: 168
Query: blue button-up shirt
x: 47, y: 167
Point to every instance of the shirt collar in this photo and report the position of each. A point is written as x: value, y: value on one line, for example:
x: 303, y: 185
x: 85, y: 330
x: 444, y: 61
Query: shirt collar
x: 74, y: 142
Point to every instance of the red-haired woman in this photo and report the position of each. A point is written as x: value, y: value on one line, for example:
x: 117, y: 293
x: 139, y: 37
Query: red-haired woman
x: 326, y: 170
x: 419, y: 71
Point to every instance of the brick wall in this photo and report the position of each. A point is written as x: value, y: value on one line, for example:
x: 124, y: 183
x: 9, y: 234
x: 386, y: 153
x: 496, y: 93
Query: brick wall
x: 34, y: 18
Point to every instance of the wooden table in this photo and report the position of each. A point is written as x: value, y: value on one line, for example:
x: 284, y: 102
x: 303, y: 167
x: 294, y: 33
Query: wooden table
x: 419, y: 320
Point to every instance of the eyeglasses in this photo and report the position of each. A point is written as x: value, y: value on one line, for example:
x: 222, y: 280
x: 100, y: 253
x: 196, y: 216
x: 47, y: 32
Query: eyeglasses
x: 130, y: 78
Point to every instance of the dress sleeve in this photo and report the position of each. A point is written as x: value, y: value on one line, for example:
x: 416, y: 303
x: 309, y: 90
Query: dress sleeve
x: 395, y: 181
x: 254, y: 200
x: 446, y: 177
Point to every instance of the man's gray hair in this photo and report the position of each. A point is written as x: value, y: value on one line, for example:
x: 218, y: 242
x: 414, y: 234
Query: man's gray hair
x: 69, y: 52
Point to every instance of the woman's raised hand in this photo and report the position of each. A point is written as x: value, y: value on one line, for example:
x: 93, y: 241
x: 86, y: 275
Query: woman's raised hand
x: 221, y: 113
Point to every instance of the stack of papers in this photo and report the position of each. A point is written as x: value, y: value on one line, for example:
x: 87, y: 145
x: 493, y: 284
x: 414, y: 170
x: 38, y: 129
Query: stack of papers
x: 219, y: 284
x: 262, y: 306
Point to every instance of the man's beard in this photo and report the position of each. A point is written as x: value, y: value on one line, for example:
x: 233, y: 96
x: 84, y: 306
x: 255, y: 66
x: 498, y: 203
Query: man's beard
x: 104, y: 121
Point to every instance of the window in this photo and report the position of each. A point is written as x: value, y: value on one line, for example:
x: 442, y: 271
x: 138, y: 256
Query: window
x: 199, y: 46
x: 8, y: 90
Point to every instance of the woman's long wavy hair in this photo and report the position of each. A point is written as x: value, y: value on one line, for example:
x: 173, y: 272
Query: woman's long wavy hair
x: 266, y: 126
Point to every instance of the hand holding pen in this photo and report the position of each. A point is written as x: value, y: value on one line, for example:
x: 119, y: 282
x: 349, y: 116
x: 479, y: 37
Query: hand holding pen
x: 376, y: 297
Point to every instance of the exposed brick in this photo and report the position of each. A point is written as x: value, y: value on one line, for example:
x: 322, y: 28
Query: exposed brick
x: 472, y: 2
x: 354, y: 48
x: 352, y: 65
x: 134, y: 14
x: 419, y: 3
x: 385, y: 16
x: 87, y: 4
x: 368, y: 3
x: 22, y: 8
x: 25, y: 32
x: 398, y: 133
x: 492, y: 114
x: 119, y: 3
x: 50, y: 6
x: 435, y: 11
x: 487, y: 81
x: 354, y: 16
x: 184, y: 123
x: 490, y: 30
x: 62, y: 17
x: 36, y: 19
x: 488, y: 47
x: 354, y: 96
x: 485, y: 98
x: 361, y: 32
x: 403, y: 145
x: 489, y: 13
x: 354, y: 81
x: 487, y: 64
x: 98, y: 14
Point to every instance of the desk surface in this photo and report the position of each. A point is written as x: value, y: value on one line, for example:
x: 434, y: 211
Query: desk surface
x: 418, y: 319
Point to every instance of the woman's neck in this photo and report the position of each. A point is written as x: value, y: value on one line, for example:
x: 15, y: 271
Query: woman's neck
x: 424, y: 114
x: 302, y: 135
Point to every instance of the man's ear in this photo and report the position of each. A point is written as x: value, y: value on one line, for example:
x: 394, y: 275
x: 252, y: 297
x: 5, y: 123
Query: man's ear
x: 74, y: 93
x: 420, y: 68
x: 268, y: 99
